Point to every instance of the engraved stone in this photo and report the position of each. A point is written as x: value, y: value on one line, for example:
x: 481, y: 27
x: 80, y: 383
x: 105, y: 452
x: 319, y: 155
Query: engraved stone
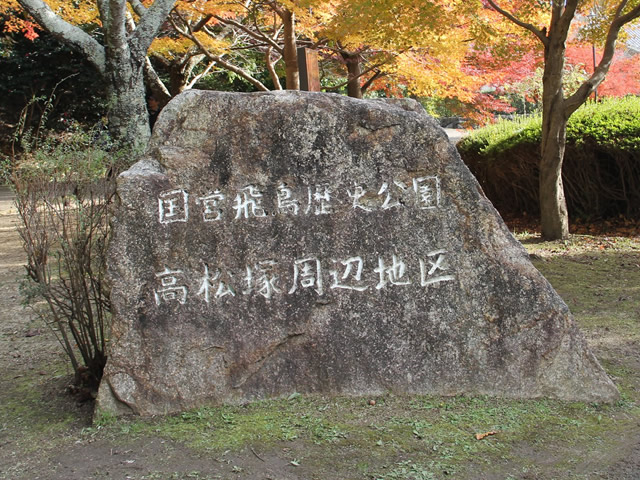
x: 286, y: 242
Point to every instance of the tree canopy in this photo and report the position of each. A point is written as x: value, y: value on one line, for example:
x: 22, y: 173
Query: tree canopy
x: 480, y: 54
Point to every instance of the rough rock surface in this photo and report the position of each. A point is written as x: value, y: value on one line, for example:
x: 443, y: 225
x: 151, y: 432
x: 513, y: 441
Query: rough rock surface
x: 288, y: 242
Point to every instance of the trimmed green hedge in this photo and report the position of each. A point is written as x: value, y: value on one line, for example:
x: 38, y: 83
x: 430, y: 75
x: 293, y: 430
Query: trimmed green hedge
x: 601, y: 170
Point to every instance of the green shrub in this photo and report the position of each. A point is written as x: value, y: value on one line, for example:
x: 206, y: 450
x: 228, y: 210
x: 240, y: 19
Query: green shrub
x: 601, y: 171
x: 612, y: 124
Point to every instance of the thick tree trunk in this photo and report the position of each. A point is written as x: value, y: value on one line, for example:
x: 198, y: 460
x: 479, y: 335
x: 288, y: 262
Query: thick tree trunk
x: 553, y: 206
x: 127, y: 112
x: 120, y: 60
x: 556, y: 109
x: 354, y: 72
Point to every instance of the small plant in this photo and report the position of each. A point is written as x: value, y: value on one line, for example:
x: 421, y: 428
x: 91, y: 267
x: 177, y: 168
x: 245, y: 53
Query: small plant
x: 65, y: 190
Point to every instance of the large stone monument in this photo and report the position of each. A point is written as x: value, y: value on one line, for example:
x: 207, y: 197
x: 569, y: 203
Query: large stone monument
x: 295, y: 242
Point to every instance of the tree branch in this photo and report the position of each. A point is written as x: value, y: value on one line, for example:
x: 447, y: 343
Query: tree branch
x: 103, y: 9
x: 117, y: 34
x: 149, y: 26
x: 527, y: 26
x: 566, y: 17
x: 203, y: 21
x: 195, y: 79
x: 364, y: 72
x: 67, y: 33
x: 215, y: 58
x: 580, y: 96
x: 365, y: 86
x: 138, y: 7
x: 158, y: 88
x: 271, y: 68
x: 257, y: 36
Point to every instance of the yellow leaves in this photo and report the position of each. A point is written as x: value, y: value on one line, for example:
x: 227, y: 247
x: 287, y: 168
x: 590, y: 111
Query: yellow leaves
x: 201, y: 8
x: 428, y: 76
x: 9, y: 5
x: 213, y: 45
x: 170, y: 47
x: 78, y: 12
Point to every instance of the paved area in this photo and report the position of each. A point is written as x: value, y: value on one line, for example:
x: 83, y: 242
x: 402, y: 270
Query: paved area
x: 455, y: 135
x: 6, y: 200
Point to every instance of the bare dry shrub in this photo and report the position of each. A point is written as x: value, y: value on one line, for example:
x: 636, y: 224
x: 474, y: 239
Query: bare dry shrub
x: 64, y: 194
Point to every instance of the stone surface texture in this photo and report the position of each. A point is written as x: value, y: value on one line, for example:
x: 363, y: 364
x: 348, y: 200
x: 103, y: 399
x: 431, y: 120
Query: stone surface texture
x: 286, y: 242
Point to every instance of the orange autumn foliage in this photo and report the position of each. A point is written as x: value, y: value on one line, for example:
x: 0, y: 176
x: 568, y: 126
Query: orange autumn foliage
x: 624, y: 74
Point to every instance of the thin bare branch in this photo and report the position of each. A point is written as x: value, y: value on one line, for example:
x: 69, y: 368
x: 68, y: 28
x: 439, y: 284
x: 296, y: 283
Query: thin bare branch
x: 527, y: 26
x: 202, y: 22
x: 202, y: 74
x: 365, y: 86
x: 188, y: 33
x: 155, y: 83
x: 259, y: 35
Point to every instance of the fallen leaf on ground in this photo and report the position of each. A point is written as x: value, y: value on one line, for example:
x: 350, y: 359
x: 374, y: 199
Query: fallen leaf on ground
x: 480, y: 436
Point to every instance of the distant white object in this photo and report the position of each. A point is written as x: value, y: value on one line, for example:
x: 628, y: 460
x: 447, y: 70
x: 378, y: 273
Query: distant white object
x: 633, y: 42
x: 455, y: 135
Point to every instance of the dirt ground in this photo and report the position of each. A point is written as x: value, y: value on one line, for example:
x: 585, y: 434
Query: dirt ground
x: 46, y: 434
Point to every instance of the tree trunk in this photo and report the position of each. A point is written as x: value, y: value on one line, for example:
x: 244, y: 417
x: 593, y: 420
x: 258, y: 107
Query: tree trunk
x: 127, y: 112
x: 290, y: 50
x: 553, y: 206
x: 121, y: 60
x: 354, y: 72
x: 556, y: 110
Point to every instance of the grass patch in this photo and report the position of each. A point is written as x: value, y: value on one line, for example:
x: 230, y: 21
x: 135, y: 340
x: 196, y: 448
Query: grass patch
x: 232, y: 427
x: 419, y: 437
x: 598, y: 277
x: 29, y: 411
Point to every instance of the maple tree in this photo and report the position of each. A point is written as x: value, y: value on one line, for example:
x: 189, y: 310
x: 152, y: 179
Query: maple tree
x: 127, y: 30
x: 606, y: 21
x: 394, y: 46
x: 402, y: 47
x: 518, y: 82
x: 212, y: 30
x: 623, y: 77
